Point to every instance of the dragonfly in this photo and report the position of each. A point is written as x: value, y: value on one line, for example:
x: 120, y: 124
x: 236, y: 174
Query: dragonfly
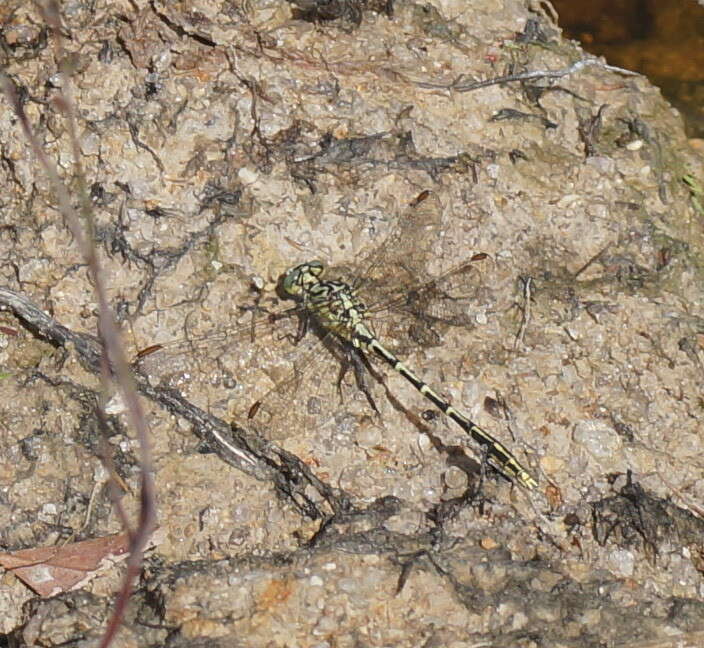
x: 339, y: 323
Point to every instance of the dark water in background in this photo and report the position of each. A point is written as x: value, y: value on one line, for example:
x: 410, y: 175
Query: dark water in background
x: 662, y: 39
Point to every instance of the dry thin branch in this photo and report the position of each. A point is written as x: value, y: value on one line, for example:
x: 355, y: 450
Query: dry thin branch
x: 246, y: 451
x: 82, y: 230
x: 460, y: 85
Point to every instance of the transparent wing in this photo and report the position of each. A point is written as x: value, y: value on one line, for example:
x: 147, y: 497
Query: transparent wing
x: 421, y: 315
x: 260, y: 375
x: 217, y: 341
x: 404, y: 254
x: 317, y: 383
x: 408, y: 306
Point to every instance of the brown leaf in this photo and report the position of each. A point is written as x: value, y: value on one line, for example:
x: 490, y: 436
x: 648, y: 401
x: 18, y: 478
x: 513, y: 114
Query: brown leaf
x: 51, y: 570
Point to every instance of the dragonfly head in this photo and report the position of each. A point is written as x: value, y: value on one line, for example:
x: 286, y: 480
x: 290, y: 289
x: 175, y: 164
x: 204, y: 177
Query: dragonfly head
x: 297, y: 279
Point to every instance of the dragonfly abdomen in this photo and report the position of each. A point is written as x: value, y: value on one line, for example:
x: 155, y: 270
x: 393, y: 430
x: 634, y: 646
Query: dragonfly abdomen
x: 498, y: 454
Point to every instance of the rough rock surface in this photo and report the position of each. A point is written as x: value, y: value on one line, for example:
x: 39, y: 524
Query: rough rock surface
x: 223, y: 143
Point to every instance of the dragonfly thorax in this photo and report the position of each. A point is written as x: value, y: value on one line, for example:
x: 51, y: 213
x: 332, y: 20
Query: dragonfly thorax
x: 334, y: 304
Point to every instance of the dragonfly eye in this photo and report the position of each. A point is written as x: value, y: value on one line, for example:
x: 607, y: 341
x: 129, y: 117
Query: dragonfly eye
x: 315, y: 268
x: 292, y: 281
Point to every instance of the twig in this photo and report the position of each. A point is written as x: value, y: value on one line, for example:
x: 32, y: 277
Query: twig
x: 238, y: 447
x: 592, y: 260
x: 525, y: 319
x: 114, y: 359
x: 459, y: 85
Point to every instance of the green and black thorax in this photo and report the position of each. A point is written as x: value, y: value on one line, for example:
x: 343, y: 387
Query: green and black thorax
x: 335, y: 304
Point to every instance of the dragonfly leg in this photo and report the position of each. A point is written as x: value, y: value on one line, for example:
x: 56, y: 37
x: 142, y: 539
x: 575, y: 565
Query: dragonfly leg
x: 355, y: 358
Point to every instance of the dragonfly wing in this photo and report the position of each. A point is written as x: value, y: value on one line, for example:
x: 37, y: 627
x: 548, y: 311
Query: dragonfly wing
x: 419, y: 316
x: 405, y: 252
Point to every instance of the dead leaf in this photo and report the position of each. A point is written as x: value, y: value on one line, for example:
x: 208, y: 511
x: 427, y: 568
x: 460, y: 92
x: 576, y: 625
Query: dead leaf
x: 52, y: 570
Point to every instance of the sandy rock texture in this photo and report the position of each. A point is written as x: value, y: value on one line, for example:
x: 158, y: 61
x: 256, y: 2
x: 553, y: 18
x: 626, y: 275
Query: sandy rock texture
x: 552, y: 224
